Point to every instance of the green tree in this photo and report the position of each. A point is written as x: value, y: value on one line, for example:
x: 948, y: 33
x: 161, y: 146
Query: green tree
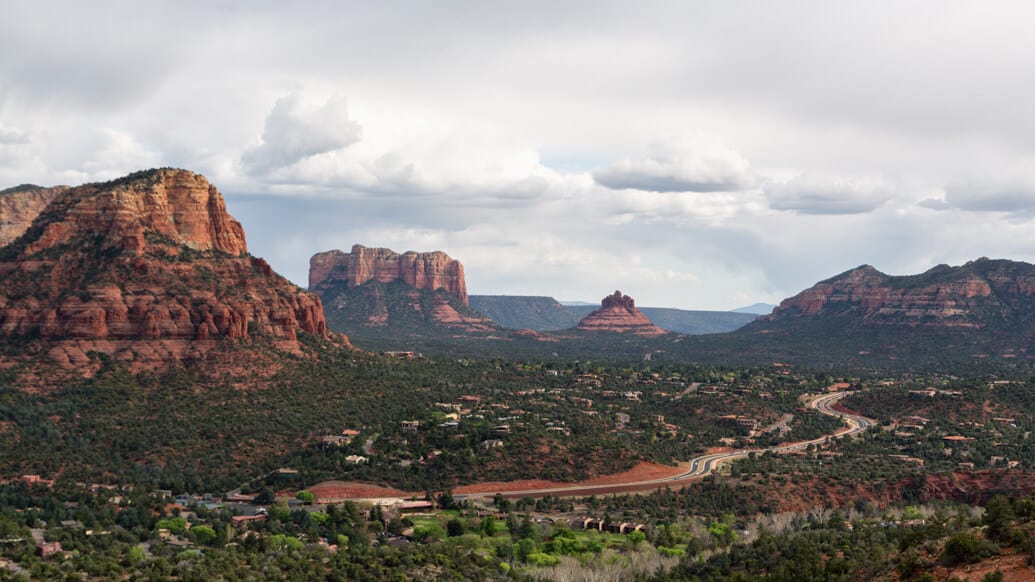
x: 266, y: 497
x: 487, y: 527
x: 203, y: 535
x: 454, y: 528
x: 722, y: 531
x: 998, y: 517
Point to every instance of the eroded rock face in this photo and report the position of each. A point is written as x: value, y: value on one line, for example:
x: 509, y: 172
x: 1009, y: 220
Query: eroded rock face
x: 19, y: 206
x: 428, y: 271
x: 971, y: 295
x: 146, y: 268
x: 618, y: 314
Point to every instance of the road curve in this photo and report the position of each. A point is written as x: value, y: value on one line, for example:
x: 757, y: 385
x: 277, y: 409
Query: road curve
x: 705, y: 464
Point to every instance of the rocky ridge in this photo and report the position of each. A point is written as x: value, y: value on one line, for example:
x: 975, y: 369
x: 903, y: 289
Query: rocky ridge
x: 148, y: 268
x: 975, y: 295
x: 429, y: 270
x: 618, y: 314
x: 20, y: 205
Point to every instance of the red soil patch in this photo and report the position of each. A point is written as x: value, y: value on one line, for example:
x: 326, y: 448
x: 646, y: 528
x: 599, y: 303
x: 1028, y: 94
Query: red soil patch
x: 500, y: 486
x: 335, y: 490
x: 717, y: 450
x: 838, y: 406
x: 1013, y: 566
x: 641, y: 472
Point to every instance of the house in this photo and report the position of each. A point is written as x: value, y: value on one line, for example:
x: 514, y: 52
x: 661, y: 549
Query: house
x: 910, y: 460
x: 334, y: 440
x: 491, y: 444
x: 415, y: 506
x: 241, y: 520
x: 356, y: 459
x: 48, y: 549
x: 748, y: 423
x: 37, y: 480
x: 588, y: 523
x: 401, y: 355
x: 410, y: 425
x: 286, y: 474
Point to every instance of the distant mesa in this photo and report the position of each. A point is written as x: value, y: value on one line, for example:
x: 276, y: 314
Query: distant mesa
x: 618, y: 314
x: 148, y: 268
x: 377, y: 291
x: 540, y: 313
x: 428, y: 271
x: 755, y: 309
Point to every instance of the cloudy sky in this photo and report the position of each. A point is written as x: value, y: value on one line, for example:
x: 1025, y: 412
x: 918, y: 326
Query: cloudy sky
x: 692, y: 154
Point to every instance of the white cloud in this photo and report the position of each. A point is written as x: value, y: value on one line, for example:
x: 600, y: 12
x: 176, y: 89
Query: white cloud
x: 12, y: 136
x: 296, y: 130
x: 476, y: 131
x: 934, y: 204
x: 808, y: 194
x: 683, y: 168
x: 992, y: 195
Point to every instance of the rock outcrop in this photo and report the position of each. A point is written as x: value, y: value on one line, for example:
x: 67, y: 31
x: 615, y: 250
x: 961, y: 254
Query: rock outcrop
x: 146, y: 268
x: 428, y: 271
x: 618, y: 314
x: 978, y: 294
x: 20, y: 205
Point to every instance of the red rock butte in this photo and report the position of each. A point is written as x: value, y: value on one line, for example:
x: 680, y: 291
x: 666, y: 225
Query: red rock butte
x: 146, y: 268
x: 618, y: 314
x: 429, y: 271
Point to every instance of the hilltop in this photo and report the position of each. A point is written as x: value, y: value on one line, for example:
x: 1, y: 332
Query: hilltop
x: 148, y: 269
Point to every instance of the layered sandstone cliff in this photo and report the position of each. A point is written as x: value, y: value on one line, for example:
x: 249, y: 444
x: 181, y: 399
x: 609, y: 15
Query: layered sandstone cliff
x: 146, y: 268
x: 373, y: 290
x: 618, y: 314
x: 428, y: 271
x: 19, y: 206
x: 976, y: 294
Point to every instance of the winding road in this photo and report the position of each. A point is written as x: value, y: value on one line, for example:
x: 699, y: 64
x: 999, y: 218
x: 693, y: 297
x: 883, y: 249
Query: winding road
x: 705, y: 464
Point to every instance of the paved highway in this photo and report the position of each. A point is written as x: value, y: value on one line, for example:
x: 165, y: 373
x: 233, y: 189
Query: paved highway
x: 706, y: 464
